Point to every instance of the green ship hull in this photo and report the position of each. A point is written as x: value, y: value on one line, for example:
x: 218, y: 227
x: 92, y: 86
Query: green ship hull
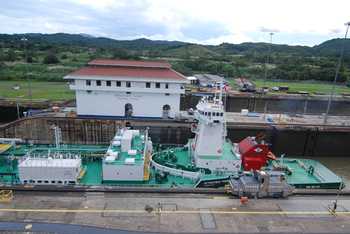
x: 301, y: 173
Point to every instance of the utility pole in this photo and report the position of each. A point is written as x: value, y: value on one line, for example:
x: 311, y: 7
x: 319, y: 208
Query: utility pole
x: 26, y: 68
x: 340, y: 60
x: 268, y: 56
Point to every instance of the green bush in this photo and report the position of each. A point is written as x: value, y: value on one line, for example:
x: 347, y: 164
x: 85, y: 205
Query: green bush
x: 50, y: 59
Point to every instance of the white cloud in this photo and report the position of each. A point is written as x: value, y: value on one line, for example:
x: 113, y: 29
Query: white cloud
x: 199, y: 21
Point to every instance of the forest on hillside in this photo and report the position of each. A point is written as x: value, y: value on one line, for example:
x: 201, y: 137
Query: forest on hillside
x: 48, y: 57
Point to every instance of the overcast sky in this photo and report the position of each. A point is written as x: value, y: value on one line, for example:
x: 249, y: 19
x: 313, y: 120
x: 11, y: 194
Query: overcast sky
x: 297, y: 22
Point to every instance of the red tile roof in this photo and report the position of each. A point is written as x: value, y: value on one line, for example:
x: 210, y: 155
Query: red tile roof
x: 135, y: 72
x: 129, y: 63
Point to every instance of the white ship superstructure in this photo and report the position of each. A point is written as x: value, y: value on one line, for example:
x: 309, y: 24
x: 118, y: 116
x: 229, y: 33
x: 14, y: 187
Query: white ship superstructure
x: 127, y: 158
x: 210, y: 148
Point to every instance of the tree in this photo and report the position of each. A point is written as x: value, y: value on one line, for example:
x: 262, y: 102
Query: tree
x: 11, y: 55
x: 64, y: 56
x: 50, y: 59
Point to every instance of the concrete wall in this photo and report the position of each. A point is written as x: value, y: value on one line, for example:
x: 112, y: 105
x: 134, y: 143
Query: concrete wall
x: 283, y: 104
x: 302, y: 141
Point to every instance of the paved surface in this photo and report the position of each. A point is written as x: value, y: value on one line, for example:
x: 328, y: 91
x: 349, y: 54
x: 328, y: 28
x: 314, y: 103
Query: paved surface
x: 234, y: 117
x: 179, y: 212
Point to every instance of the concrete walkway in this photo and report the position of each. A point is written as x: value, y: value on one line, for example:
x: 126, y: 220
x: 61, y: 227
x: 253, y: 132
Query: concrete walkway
x: 180, y: 212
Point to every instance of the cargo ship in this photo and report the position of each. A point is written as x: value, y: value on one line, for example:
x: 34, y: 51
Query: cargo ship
x: 207, y: 160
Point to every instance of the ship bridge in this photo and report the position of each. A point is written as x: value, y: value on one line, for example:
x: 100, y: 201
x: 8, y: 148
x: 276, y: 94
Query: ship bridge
x: 210, y: 110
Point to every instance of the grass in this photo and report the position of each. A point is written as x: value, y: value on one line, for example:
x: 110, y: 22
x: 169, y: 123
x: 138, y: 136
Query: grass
x: 306, y: 86
x: 40, y: 90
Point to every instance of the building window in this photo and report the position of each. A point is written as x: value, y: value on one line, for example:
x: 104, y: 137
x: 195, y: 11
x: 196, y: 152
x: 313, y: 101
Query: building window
x: 148, y: 84
x: 166, y: 86
x: 119, y: 83
x: 88, y: 82
x: 98, y: 82
x: 108, y: 83
x: 128, y: 84
x: 157, y: 85
x: 167, y: 94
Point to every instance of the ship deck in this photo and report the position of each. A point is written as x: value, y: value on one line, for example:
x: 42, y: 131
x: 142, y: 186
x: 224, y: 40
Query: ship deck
x: 308, y: 173
x: 300, y: 176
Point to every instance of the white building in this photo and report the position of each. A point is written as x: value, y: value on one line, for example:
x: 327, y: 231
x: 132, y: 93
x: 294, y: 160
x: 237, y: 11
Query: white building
x: 123, y: 88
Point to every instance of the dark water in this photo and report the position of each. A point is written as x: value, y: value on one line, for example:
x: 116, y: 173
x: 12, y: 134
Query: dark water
x: 57, y: 228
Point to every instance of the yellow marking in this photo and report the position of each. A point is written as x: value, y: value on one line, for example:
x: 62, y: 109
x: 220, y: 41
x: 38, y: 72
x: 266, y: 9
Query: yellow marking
x: 4, y: 147
x: 234, y: 212
x: 82, y: 173
x: 146, y: 167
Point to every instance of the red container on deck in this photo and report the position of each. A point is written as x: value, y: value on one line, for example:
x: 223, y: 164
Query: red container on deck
x: 254, y: 155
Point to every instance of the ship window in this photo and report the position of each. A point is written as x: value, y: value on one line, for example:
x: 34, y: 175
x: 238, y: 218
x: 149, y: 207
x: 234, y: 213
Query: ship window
x: 46, y: 181
x: 119, y: 83
x: 60, y: 182
x: 53, y: 182
x: 148, y: 84
x: 39, y: 181
x: 71, y: 182
x: 205, y: 113
x: 88, y: 82
x: 217, y: 114
x: 24, y: 181
x: 128, y: 84
x: 98, y: 82
x: 157, y: 85
x: 221, y: 114
x: 167, y: 94
x: 209, y: 113
x: 108, y: 83
x: 166, y: 86
x: 31, y: 181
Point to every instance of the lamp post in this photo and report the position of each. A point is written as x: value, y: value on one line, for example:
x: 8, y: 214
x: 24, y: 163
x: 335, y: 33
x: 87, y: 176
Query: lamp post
x: 268, y: 56
x: 340, y: 60
x: 26, y: 68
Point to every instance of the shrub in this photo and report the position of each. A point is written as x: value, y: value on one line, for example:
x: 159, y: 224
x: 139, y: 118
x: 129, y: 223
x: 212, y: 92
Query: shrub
x: 50, y: 59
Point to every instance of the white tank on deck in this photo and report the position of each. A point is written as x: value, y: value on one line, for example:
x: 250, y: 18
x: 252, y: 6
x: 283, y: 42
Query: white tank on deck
x: 49, y: 170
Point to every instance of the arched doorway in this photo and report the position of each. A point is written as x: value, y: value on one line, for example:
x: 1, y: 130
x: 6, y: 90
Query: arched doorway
x: 128, y: 110
x: 166, y: 111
